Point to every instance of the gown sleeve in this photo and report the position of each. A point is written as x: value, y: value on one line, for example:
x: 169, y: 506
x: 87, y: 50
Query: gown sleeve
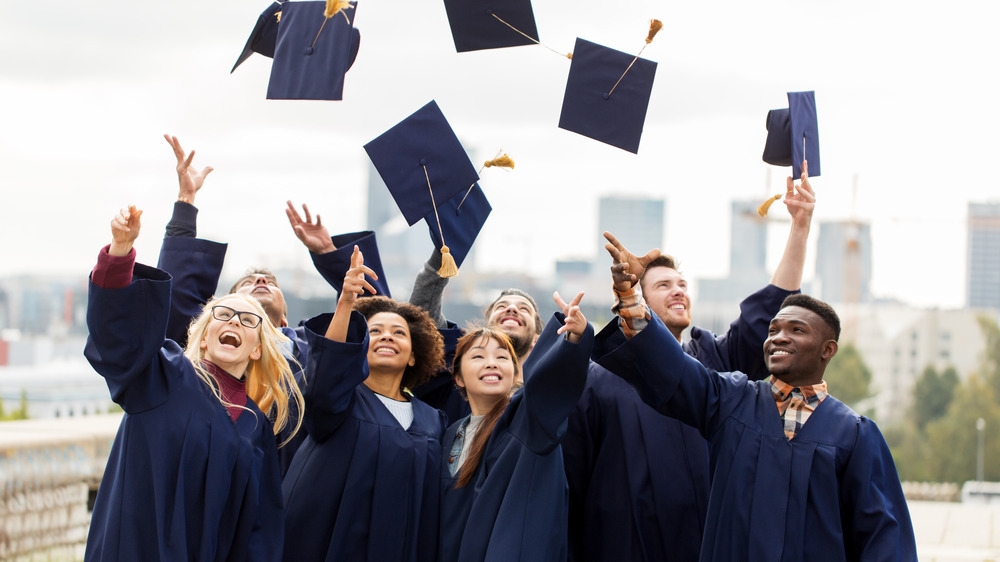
x: 554, y: 376
x: 877, y: 522
x: 195, y: 266
x: 127, y: 327
x: 739, y: 349
x: 333, y: 370
x: 654, y: 363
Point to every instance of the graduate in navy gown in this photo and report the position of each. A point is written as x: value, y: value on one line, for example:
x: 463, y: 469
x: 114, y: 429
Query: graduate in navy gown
x: 639, y: 480
x: 504, y: 493
x: 364, y: 484
x: 193, y: 472
x: 196, y: 265
x: 796, y: 474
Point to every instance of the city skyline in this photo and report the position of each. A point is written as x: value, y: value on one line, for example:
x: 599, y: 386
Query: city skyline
x: 901, y: 104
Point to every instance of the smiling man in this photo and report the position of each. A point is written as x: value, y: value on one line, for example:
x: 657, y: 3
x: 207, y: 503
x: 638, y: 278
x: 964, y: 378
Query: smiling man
x: 797, y: 475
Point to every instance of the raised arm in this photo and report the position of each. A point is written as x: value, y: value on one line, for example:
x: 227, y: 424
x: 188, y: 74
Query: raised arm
x: 126, y: 312
x: 354, y: 284
x: 195, y: 264
x: 555, y: 374
x: 313, y: 235
x: 800, y: 201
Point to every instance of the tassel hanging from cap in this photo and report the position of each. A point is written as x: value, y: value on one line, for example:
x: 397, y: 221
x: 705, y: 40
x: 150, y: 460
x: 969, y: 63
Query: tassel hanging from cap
x: 334, y: 7
x: 502, y: 161
x: 766, y: 205
x: 654, y: 27
x: 526, y: 36
x: 448, y: 266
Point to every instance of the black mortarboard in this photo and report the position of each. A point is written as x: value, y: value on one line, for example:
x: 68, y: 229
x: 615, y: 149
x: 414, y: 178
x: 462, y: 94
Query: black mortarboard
x: 600, y: 102
x: 422, y: 143
x: 462, y: 217
x: 339, y: 260
x: 786, y: 129
x: 486, y: 24
x: 263, y: 36
x: 312, y: 52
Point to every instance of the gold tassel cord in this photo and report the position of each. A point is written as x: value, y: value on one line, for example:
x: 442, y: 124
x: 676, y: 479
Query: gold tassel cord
x: 654, y: 28
x: 501, y: 160
x: 448, y: 266
x: 766, y: 205
x: 333, y: 7
x: 530, y: 38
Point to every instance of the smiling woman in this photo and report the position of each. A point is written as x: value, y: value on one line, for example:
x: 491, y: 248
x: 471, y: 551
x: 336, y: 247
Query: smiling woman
x: 186, y: 479
x: 364, y: 483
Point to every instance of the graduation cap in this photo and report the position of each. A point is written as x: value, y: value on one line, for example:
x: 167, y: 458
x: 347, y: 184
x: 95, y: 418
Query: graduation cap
x: 264, y: 35
x: 333, y: 265
x: 315, y: 47
x: 491, y: 24
x: 607, y: 93
x: 793, y: 134
x: 422, y: 163
x: 458, y: 222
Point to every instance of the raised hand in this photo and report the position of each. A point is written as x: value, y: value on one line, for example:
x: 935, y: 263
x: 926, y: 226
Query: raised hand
x: 124, y: 230
x: 576, y: 323
x: 313, y: 235
x: 635, y: 265
x: 190, y: 179
x: 354, y: 285
x: 800, y: 198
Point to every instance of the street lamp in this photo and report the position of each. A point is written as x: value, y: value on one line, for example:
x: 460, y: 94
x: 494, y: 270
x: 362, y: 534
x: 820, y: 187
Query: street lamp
x: 981, y: 429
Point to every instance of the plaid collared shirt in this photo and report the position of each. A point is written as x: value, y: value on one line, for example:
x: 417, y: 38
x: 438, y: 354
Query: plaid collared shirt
x: 632, y: 309
x: 796, y: 404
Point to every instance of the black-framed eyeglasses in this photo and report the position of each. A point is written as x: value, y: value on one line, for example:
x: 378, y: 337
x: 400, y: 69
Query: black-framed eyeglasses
x: 224, y: 313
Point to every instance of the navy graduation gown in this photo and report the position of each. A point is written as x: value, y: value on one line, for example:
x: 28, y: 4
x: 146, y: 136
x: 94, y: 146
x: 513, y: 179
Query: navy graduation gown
x: 196, y: 265
x: 829, y: 494
x: 639, y: 480
x: 183, y: 481
x: 361, y: 487
x: 515, y: 508
x: 440, y: 392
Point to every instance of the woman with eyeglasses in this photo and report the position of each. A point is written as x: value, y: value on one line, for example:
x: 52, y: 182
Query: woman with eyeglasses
x: 364, y: 484
x: 193, y: 473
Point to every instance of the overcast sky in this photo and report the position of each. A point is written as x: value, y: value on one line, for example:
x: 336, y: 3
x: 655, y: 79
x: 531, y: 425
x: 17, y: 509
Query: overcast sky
x: 905, y: 93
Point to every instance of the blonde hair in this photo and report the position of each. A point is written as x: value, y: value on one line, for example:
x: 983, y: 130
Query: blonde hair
x: 269, y: 380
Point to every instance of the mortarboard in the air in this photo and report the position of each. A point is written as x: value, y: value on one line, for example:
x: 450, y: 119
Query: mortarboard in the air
x: 491, y: 24
x: 607, y: 94
x: 457, y: 222
x: 420, y: 150
x: 335, y: 263
x: 263, y: 36
x: 791, y: 131
x: 313, y: 52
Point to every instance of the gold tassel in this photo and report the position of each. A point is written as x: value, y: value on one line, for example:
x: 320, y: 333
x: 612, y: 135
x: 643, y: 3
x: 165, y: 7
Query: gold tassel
x: 277, y: 16
x: 333, y: 7
x: 654, y: 27
x: 448, y: 266
x: 762, y: 210
x: 569, y: 56
x: 503, y: 161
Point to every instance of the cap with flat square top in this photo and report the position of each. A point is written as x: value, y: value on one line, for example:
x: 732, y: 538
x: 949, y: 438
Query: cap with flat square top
x: 461, y: 218
x: 491, y: 24
x: 602, y: 100
x: 312, y: 53
x: 793, y: 134
x: 422, y: 162
x: 264, y: 35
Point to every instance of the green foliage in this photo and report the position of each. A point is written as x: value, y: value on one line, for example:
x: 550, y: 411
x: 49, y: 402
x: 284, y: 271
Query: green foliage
x: 848, y: 377
x: 932, y: 394
x: 18, y: 414
x: 953, y: 439
x: 990, y: 369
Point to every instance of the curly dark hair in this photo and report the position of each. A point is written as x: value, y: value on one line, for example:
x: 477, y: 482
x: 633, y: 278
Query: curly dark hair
x: 426, y: 342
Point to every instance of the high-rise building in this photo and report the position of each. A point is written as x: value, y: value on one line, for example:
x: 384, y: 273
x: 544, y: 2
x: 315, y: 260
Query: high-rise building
x: 983, y: 278
x: 636, y: 221
x: 844, y: 261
